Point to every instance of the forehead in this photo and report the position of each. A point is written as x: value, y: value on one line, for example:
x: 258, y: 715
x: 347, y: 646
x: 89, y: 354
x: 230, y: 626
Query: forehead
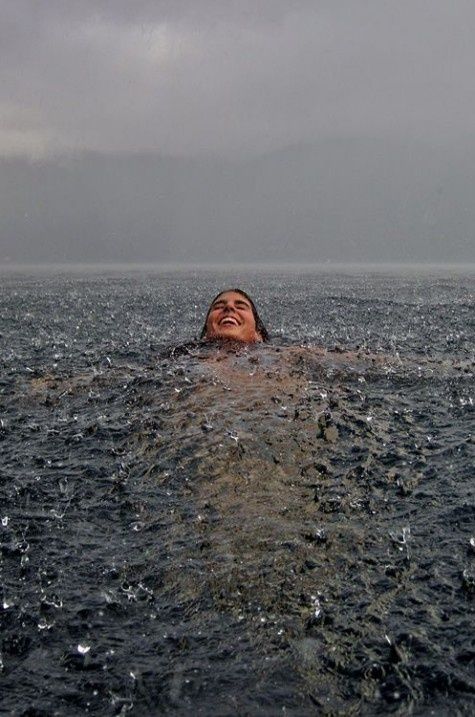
x: 231, y: 296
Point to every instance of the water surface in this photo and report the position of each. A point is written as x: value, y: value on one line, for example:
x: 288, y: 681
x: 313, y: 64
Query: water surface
x: 281, y: 528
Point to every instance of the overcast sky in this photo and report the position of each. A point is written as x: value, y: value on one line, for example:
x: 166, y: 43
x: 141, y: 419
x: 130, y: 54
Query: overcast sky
x: 232, y: 77
x: 237, y: 130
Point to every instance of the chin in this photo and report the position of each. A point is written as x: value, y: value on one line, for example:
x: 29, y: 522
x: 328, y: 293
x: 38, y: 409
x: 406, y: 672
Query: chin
x: 241, y: 339
x: 228, y: 336
x: 233, y: 333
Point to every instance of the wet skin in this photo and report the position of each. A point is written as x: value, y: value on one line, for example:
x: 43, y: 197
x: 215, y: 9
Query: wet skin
x: 231, y: 317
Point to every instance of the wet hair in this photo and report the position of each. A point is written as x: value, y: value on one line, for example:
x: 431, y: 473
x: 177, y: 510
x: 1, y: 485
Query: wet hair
x: 260, y: 328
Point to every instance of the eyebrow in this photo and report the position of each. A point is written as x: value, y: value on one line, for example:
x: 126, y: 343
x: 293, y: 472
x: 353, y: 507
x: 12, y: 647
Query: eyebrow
x: 238, y: 302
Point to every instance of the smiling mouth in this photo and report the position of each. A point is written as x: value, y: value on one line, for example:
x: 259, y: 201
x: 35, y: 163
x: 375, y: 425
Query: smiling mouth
x: 229, y: 321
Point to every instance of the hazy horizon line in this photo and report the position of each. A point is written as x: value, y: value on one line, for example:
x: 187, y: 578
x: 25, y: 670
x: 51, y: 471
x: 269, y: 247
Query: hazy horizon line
x: 307, y: 267
x: 77, y: 153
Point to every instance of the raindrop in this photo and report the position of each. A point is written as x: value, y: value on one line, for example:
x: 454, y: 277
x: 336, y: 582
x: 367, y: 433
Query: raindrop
x: 316, y: 607
x: 401, y: 538
x: 52, y: 601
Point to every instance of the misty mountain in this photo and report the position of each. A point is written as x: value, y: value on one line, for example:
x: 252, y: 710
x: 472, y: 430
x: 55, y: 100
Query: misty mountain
x: 339, y: 200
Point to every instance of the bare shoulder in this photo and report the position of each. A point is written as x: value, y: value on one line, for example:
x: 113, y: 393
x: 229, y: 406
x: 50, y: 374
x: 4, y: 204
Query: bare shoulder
x: 337, y: 355
x: 52, y: 387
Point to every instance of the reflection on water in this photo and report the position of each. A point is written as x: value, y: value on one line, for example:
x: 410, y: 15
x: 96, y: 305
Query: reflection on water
x: 237, y: 529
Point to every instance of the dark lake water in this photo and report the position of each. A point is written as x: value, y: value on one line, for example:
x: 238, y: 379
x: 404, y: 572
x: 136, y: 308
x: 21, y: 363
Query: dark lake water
x: 272, y: 529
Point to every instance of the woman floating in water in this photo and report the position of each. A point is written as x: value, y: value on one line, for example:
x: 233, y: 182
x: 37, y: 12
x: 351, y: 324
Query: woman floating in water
x: 233, y: 315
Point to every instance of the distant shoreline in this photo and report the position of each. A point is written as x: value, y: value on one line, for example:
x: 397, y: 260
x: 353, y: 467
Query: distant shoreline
x: 255, y: 267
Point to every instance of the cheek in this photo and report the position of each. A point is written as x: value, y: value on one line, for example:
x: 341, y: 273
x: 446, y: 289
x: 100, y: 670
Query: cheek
x: 250, y: 320
x: 248, y: 328
x: 211, y: 320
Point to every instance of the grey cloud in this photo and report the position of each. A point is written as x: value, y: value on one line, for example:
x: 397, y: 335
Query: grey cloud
x: 234, y: 130
x: 238, y: 77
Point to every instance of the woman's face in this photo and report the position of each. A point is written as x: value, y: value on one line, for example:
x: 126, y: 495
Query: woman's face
x: 231, y: 317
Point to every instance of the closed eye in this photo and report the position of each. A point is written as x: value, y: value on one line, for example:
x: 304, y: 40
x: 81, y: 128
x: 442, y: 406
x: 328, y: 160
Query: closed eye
x: 238, y: 304
x: 242, y: 305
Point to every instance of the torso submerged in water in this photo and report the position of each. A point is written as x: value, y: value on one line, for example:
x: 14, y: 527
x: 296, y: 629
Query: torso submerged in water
x: 277, y: 488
